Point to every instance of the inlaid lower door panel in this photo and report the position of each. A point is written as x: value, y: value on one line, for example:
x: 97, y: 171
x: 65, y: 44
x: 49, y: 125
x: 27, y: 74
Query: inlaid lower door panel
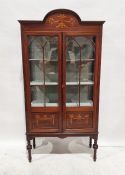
x: 78, y: 121
x: 45, y: 122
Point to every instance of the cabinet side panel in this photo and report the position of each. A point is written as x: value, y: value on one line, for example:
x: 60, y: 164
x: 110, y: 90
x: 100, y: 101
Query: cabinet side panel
x: 97, y: 76
x: 26, y: 79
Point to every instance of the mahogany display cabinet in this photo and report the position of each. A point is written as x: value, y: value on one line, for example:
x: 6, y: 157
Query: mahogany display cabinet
x: 61, y: 67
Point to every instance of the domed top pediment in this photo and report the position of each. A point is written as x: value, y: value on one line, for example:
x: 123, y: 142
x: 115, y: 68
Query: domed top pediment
x: 62, y: 18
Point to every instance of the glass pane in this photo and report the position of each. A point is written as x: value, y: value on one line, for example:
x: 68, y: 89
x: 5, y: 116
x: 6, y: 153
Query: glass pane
x: 37, y: 96
x: 71, y: 92
x: 43, y: 57
x: 86, y: 72
x: 86, y: 95
x: 72, y: 73
x: 36, y: 73
x: 51, y: 92
x: 80, y: 55
x: 73, y: 96
x: 51, y: 71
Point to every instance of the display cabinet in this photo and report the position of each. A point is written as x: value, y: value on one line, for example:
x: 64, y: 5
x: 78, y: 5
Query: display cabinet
x: 61, y: 65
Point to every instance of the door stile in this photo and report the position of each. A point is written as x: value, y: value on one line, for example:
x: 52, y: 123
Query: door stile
x: 64, y: 81
x: 60, y: 68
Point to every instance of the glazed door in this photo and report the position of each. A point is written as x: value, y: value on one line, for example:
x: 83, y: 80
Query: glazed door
x: 45, y: 82
x: 79, y: 58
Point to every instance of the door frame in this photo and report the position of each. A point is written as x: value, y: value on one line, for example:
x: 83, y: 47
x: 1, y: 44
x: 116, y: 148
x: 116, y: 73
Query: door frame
x: 27, y: 77
x: 81, y: 108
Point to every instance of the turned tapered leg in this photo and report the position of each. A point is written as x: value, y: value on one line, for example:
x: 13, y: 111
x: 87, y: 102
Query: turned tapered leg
x: 29, y: 147
x: 90, y: 142
x: 95, y: 146
x: 34, y: 143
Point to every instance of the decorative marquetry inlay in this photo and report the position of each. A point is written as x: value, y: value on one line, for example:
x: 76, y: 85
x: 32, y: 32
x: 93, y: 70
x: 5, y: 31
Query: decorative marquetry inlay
x: 43, y: 120
x: 79, y: 117
x: 79, y: 120
x: 61, y: 21
x: 45, y: 117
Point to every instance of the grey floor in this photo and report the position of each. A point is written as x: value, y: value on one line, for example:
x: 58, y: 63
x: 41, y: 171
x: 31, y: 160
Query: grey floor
x: 54, y: 156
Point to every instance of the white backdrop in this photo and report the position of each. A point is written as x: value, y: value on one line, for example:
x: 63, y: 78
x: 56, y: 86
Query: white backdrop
x: 112, y: 93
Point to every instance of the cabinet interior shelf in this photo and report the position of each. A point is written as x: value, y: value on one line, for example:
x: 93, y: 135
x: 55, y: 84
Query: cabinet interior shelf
x: 88, y: 103
x: 82, y: 60
x: 66, y: 60
x: 35, y: 104
x: 42, y: 60
x: 33, y: 83
x: 81, y: 83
